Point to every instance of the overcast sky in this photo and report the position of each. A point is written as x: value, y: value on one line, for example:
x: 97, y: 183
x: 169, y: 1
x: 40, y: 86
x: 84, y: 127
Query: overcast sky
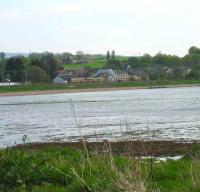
x: 130, y: 27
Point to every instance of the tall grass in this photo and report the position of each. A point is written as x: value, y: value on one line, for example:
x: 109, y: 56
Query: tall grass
x: 65, y: 169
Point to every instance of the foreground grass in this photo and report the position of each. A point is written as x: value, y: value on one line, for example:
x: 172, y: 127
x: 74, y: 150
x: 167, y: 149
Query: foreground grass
x: 145, y: 84
x: 70, y: 170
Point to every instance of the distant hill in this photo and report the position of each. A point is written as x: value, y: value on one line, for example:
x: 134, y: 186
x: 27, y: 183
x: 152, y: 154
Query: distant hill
x: 8, y: 55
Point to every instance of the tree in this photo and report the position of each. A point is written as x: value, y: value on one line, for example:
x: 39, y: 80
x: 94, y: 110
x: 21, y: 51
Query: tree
x: 191, y: 60
x: 146, y: 58
x: 35, y: 59
x: 79, y: 54
x: 66, y: 58
x: 166, y: 60
x: 16, y: 66
x: 108, y: 56
x: 36, y: 75
x: 46, y: 61
x: 178, y: 73
x: 49, y: 64
x: 116, y: 64
x: 2, y: 62
x: 2, y: 56
x: 134, y: 62
x: 194, y: 51
x: 113, y: 55
x: 193, y: 74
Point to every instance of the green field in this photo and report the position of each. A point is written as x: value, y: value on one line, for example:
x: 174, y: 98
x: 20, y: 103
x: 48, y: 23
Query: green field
x: 96, y: 65
x: 68, y: 170
x: 93, y: 63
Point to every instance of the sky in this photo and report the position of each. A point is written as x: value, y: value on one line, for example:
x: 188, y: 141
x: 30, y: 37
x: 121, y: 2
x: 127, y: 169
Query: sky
x: 130, y: 27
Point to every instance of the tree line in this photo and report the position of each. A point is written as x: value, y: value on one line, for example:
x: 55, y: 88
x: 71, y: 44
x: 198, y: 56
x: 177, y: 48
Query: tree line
x: 43, y: 67
x: 37, y: 67
x: 161, y: 66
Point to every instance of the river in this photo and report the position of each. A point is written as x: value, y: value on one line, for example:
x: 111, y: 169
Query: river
x: 158, y: 114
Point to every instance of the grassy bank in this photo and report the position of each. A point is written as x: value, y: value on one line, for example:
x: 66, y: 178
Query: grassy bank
x: 45, y: 87
x: 58, y: 169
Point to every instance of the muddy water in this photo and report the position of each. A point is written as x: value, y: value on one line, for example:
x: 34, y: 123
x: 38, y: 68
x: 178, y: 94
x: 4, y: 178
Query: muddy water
x: 160, y: 114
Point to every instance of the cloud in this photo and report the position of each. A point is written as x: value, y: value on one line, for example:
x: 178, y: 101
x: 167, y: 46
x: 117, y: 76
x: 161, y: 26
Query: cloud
x: 66, y: 8
x: 37, y: 9
x: 9, y: 15
x: 131, y: 26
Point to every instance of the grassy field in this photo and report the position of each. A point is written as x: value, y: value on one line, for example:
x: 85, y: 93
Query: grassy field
x: 97, y: 63
x: 68, y: 170
x: 43, y: 87
x: 93, y: 63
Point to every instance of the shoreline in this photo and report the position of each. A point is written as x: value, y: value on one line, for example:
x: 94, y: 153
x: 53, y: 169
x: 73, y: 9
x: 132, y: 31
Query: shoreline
x: 61, y: 91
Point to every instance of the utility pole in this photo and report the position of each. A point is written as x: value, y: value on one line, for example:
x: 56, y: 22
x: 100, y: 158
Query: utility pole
x: 26, y: 77
x: 8, y: 80
x: 2, y: 77
x: 148, y: 77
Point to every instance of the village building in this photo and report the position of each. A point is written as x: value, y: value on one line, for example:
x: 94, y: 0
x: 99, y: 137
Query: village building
x: 61, y: 79
x: 121, y: 75
x: 112, y: 75
x: 101, y: 75
x: 107, y: 74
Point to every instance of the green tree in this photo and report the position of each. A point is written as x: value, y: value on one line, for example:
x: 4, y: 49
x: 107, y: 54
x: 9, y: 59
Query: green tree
x: 134, y: 62
x: 166, y: 60
x: 194, y: 74
x: 15, y: 67
x: 66, y: 58
x: 35, y: 59
x: 49, y: 64
x: 2, y: 56
x: 116, y: 64
x: 191, y: 60
x: 16, y: 63
x: 79, y: 55
x: 108, y: 56
x: 2, y: 64
x: 194, y: 50
x: 146, y: 59
x: 36, y: 75
x: 47, y: 61
x: 113, y: 55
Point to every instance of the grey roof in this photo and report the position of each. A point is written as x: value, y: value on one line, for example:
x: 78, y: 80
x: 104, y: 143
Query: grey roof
x: 109, y: 72
x: 64, y: 77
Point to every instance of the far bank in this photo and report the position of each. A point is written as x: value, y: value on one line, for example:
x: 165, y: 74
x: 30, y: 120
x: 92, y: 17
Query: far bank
x: 42, y: 89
